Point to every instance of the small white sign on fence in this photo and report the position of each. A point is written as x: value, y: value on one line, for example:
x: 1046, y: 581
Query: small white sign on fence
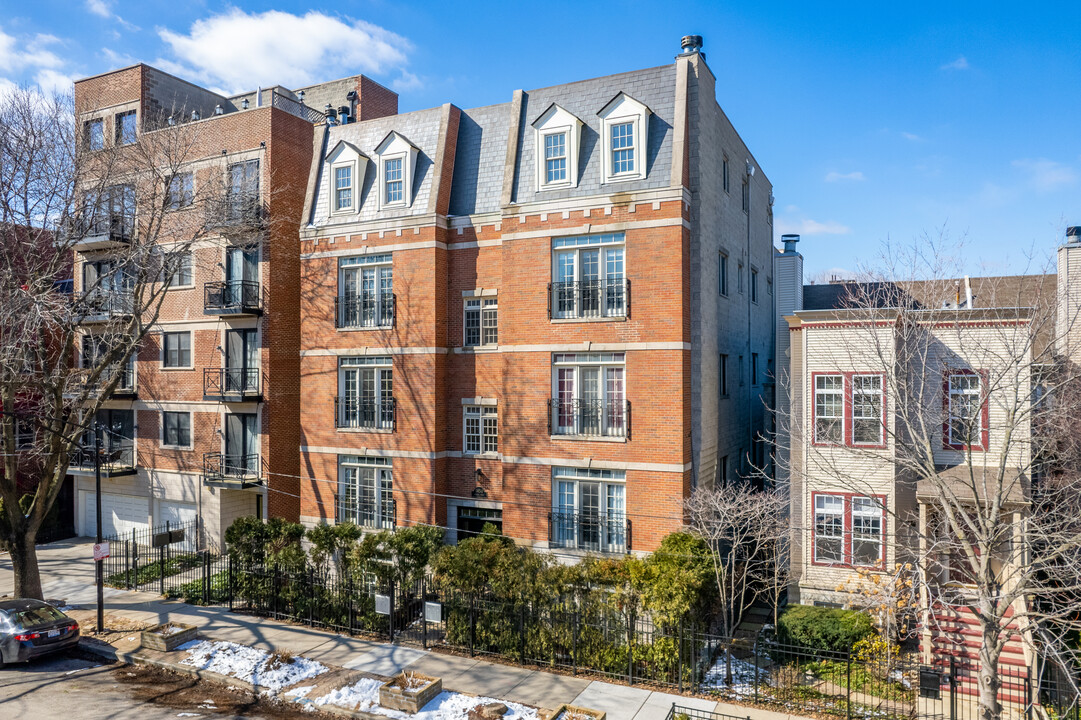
x: 433, y: 612
x: 382, y: 604
x: 101, y: 551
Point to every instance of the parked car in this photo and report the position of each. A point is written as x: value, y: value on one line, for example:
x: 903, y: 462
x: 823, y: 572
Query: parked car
x: 31, y: 628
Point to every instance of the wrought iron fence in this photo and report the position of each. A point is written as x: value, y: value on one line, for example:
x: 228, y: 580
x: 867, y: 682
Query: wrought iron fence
x: 137, y: 561
x: 608, y: 532
x: 598, y: 418
x: 113, y: 458
x: 365, y: 310
x: 352, y: 412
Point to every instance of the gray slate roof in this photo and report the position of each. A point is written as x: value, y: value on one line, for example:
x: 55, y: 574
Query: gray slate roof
x: 479, y: 159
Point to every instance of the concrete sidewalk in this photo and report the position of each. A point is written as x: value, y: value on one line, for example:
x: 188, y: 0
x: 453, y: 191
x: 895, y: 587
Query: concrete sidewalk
x: 68, y: 573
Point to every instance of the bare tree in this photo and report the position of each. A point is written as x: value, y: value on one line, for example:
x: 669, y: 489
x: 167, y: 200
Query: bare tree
x: 979, y: 452
x: 746, y: 532
x: 68, y: 198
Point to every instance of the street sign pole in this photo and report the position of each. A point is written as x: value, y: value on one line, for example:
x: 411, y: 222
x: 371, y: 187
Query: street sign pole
x: 100, y: 574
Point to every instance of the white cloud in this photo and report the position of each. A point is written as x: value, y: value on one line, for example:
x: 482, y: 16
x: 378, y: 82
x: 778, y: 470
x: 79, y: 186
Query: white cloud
x: 807, y: 226
x: 837, y: 177
x: 961, y: 63
x: 1046, y: 175
x: 911, y: 137
x: 20, y: 53
x: 239, y: 51
x: 52, y: 81
x: 406, y: 81
x: 99, y: 7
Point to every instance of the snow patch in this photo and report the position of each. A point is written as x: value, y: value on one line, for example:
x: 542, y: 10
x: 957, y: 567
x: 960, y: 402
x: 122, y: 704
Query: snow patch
x: 364, y: 695
x: 742, y: 675
x: 248, y: 664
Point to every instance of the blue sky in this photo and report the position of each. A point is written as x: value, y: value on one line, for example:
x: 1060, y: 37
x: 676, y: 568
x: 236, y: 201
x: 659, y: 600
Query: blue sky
x: 876, y: 122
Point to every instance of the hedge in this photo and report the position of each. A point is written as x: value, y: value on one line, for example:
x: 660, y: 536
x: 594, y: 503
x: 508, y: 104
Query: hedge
x: 820, y: 628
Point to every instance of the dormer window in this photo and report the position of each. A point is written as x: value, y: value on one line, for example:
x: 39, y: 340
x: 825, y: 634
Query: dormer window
x: 557, y: 134
x: 346, y: 166
x: 624, y: 123
x: 397, y: 168
x: 392, y: 181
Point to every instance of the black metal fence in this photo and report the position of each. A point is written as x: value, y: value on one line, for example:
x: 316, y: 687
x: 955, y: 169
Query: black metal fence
x: 145, y: 559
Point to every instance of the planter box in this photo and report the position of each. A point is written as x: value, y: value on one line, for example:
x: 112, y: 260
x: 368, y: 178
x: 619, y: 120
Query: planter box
x: 570, y: 712
x: 394, y: 695
x: 168, y: 637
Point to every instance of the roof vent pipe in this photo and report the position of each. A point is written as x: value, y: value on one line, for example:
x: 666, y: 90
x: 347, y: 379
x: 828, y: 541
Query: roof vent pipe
x: 968, y: 293
x: 691, y: 44
x: 1073, y: 234
x: 195, y: 115
x: 328, y: 110
x: 218, y: 110
x: 259, y: 96
x: 343, y: 114
x: 790, y: 242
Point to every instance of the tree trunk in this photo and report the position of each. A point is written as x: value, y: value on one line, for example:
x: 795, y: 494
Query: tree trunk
x: 989, y: 682
x: 24, y: 560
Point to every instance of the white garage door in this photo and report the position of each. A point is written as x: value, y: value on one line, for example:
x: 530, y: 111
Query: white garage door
x: 119, y: 514
x: 177, y: 514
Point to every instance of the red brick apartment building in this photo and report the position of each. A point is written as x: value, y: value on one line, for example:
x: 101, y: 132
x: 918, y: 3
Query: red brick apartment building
x: 553, y: 314
x: 210, y: 405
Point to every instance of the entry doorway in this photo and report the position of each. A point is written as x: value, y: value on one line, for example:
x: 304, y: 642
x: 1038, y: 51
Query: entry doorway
x: 471, y: 520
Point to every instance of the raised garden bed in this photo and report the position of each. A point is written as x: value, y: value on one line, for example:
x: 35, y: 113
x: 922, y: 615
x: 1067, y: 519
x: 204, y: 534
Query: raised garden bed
x: 409, y: 691
x: 168, y: 637
x: 571, y: 712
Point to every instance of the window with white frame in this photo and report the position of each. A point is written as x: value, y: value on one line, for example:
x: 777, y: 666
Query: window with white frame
x: 867, y: 427
x: 176, y: 270
x: 365, y: 492
x: 481, y: 322
x: 557, y: 134
x: 176, y: 349
x: 343, y: 188
x: 866, y: 531
x: 965, y: 426
x: 589, y: 509
x: 555, y: 158
x: 365, y: 292
x: 829, y: 409
x: 365, y: 393
x: 181, y: 190
x: 829, y: 540
x: 624, y: 125
x: 25, y: 434
x: 588, y: 395
x: 589, y: 277
x: 393, y: 188
x: 481, y: 429
x: 176, y: 429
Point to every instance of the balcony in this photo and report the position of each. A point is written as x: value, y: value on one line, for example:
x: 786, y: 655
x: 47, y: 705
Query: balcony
x: 353, y: 413
x: 589, y: 299
x: 364, y: 311
x: 110, y: 230
x: 79, y: 381
x: 98, y: 306
x: 232, y: 472
x: 116, y: 461
x: 366, y: 514
x: 233, y: 297
x: 590, y: 418
x: 236, y: 214
x: 232, y: 384
x: 589, y: 531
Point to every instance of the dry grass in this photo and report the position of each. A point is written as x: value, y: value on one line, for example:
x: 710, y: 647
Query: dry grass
x: 279, y: 659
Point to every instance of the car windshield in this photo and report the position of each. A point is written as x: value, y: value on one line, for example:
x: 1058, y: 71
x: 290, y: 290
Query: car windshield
x: 34, y: 616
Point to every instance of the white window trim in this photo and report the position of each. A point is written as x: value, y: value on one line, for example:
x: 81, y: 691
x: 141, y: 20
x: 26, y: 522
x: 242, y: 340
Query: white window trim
x: 161, y: 431
x: 553, y: 121
x: 191, y: 256
x: 162, y: 352
x: 393, y: 147
x: 878, y: 512
x: 482, y: 307
x: 977, y: 441
x: 814, y: 409
x: 169, y: 191
x: 379, y: 463
x: 383, y: 160
x: 481, y: 412
x: 376, y: 364
x: 625, y: 109
x: 351, y: 208
x: 587, y: 359
x: 880, y: 440
x: 604, y: 478
x: 814, y: 529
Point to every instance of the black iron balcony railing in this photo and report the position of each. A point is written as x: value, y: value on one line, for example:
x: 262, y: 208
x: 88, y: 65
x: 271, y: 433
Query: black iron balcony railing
x: 351, y: 412
x: 364, y: 311
x: 232, y: 384
x: 592, y: 418
x: 104, y: 304
x: 232, y: 471
x: 241, y: 211
x: 589, y: 299
x: 116, y: 459
x: 593, y: 531
x: 366, y: 513
x: 232, y: 297
x: 80, y: 381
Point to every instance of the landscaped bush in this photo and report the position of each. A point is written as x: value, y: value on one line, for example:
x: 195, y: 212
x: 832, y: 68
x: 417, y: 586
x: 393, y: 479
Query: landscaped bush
x: 818, y: 628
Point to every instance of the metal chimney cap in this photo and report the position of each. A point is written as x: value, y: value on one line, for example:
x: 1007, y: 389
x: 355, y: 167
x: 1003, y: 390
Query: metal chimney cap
x: 691, y: 43
x: 790, y: 241
x: 1074, y: 231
